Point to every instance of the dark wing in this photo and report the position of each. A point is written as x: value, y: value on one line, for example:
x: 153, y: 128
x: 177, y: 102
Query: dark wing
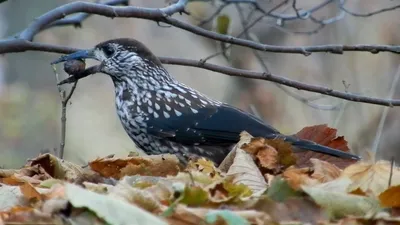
x: 211, y: 125
x: 222, y: 125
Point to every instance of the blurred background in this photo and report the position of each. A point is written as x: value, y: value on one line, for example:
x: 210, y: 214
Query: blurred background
x: 30, y: 106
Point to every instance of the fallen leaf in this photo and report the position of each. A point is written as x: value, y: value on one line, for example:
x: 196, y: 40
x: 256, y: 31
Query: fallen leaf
x: 154, y: 165
x: 246, y: 172
x: 230, y: 217
x: 268, y: 157
x: 323, y: 135
x: 372, y: 177
x: 324, y: 171
x: 297, y: 177
x: 194, y: 196
x: 302, y: 210
x: 390, y: 197
x: 142, y: 198
x: 56, y: 167
x: 280, y: 190
x: 272, y: 154
x: 30, y: 192
x: 205, y: 166
x: 110, y: 209
x: 342, y: 204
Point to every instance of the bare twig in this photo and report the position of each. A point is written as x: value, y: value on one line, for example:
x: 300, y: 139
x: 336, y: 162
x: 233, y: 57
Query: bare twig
x: 265, y: 68
x: 64, y: 102
x: 391, y: 172
x: 24, y: 43
x: 280, y: 80
x: 368, y: 14
x: 385, y: 112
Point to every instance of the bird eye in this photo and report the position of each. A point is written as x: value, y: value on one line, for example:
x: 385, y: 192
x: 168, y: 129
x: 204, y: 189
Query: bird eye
x: 108, y: 51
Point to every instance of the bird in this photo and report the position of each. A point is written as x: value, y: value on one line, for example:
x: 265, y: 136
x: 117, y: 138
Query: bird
x: 162, y: 115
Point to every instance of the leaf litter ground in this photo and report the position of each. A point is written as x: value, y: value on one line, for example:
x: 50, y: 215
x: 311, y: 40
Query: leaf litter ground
x: 260, y: 182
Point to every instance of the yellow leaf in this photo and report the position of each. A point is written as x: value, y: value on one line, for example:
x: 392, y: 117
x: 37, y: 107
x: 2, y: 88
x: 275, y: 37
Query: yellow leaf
x: 222, y: 24
x: 390, y: 197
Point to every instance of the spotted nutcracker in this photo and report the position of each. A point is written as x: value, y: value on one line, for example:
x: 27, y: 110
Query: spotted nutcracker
x: 162, y: 115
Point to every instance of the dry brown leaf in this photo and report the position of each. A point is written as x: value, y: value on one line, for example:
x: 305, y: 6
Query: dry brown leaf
x: 358, y: 191
x: 154, y: 165
x: 205, y: 166
x: 324, y: 171
x: 390, y: 197
x: 323, y: 135
x: 298, y: 177
x: 268, y: 157
x: 270, y: 154
x: 142, y: 198
x: 373, y: 177
x: 30, y: 192
x: 56, y: 167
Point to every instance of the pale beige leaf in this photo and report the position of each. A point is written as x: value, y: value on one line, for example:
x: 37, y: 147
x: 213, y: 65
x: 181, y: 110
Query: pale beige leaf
x: 144, y: 199
x: 111, y: 209
x: 246, y: 172
x: 372, y: 177
x: 324, y: 171
x: 342, y: 204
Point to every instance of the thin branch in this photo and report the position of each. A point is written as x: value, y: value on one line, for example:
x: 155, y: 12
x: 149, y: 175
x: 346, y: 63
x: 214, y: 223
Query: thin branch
x: 23, y: 43
x: 265, y: 68
x: 76, y: 20
x: 264, y: 76
x: 280, y: 80
x: 357, y: 14
x: 216, y: 13
x: 99, y: 9
x: 163, y: 15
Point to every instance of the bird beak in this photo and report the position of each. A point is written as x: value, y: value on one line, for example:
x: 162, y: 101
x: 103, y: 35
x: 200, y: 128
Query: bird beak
x: 83, y: 54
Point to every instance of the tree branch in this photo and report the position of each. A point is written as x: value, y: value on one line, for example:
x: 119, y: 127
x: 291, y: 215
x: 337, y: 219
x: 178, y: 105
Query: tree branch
x: 164, y: 15
x: 280, y: 80
x: 23, y: 42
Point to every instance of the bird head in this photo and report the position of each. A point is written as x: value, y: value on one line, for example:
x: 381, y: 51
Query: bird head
x: 122, y: 59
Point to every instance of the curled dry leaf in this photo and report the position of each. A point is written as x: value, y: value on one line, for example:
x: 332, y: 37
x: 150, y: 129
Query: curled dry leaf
x: 324, y: 171
x: 297, y: 177
x: 323, y: 135
x: 226, y: 190
x: 29, y: 192
x: 31, y: 174
x: 153, y: 165
x: 141, y: 198
x: 268, y: 157
x: 270, y: 154
x: 56, y: 167
x: 372, y: 177
x: 204, y: 166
